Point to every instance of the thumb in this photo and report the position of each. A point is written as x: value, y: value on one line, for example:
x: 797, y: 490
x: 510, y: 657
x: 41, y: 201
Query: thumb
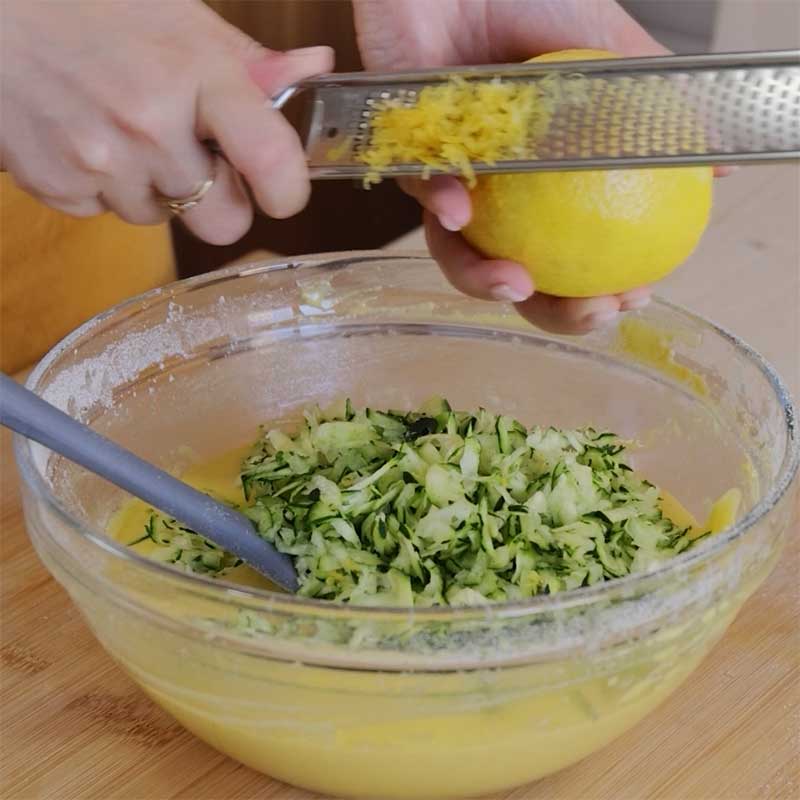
x: 621, y: 33
x: 276, y: 70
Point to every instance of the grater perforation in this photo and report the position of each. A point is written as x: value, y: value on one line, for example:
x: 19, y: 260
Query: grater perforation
x: 668, y: 110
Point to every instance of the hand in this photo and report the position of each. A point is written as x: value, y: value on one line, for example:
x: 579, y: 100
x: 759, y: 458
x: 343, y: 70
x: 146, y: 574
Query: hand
x: 414, y: 34
x: 106, y: 105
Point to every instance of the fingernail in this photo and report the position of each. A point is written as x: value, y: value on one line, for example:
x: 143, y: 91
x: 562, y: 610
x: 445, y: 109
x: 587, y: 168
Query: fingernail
x: 507, y: 294
x: 449, y: 224
x: 602, y: 319
x: 305, y: 52
x: 636, y: 302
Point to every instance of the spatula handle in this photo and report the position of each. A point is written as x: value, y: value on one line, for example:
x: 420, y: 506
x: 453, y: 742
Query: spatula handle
x: 32, y: 417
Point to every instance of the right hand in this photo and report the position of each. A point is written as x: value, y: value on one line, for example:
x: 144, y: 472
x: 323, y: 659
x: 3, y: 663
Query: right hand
x: 411, y: 34
x: 106, y: 105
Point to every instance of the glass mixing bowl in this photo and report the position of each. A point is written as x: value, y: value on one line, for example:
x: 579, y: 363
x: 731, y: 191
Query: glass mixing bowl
x: 382, y: 703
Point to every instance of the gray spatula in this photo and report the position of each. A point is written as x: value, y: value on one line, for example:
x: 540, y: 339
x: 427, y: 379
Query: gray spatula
x: 32, y: 417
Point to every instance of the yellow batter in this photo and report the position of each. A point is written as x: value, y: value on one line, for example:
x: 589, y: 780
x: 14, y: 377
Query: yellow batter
x: 406, y: 735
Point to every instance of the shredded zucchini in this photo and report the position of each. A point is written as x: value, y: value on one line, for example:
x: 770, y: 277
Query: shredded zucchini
x: 187, y: 550
x: 437, y: 507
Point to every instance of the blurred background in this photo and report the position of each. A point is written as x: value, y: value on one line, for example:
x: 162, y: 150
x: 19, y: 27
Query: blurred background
x: 56, y: 271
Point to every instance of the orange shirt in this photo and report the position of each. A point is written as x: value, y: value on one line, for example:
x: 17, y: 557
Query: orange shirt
x: 57, y: 271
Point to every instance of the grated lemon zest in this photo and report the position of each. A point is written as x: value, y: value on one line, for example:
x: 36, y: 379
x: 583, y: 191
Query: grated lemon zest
x: 453, y: 125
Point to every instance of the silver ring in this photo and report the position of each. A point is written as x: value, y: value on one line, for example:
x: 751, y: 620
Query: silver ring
x: 177, y: 205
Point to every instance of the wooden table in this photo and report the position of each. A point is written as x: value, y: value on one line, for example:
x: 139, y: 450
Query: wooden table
x: 73, y: 726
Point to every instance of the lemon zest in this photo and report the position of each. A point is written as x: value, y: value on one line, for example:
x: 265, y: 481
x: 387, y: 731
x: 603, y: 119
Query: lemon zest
x: 456, y: 124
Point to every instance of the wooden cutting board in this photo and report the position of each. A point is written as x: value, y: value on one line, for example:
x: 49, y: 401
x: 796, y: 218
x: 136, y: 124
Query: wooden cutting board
x: 74, y: 727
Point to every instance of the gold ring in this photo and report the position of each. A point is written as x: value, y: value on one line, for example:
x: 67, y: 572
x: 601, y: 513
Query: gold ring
x: 177, y: 205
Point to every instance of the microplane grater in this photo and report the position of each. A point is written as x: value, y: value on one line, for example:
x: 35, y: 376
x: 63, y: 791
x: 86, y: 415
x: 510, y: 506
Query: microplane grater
x: 656, y: 111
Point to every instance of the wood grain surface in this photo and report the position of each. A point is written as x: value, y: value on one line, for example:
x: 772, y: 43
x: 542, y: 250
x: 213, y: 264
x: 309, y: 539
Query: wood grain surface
x: 74, y: 726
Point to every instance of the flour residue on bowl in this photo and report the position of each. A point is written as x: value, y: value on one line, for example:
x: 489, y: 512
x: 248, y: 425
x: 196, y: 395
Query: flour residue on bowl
x: 92, y: 381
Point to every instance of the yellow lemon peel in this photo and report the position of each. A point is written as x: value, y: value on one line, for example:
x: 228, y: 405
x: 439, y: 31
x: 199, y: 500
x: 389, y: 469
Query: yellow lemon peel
x: 722, y: 515
x: 591, y: 232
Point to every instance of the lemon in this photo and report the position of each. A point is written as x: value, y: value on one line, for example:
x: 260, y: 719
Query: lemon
x: 587, y: 233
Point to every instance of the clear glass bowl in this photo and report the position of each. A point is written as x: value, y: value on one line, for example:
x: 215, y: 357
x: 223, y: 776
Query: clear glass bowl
x: 392, y: 703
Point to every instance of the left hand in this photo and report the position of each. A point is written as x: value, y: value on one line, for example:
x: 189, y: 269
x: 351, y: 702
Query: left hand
x: 106, y: 106
x: 414, y: 34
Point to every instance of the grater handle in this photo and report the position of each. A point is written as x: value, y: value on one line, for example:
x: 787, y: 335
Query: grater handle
x: 285, y: 95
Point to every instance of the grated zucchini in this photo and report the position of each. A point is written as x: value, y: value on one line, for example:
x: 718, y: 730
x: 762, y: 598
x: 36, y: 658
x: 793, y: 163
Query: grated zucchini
x: 438, y: 507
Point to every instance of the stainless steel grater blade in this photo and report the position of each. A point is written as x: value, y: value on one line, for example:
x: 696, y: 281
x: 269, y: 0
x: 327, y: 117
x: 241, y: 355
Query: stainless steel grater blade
x: 633, y: 112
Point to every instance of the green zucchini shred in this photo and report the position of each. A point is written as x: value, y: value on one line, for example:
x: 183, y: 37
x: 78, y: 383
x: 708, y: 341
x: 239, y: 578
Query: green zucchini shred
x: 185, y: 549
x: 438, y: 507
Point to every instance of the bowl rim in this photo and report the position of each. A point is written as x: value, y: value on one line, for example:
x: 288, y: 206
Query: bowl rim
x: 226, y: 590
